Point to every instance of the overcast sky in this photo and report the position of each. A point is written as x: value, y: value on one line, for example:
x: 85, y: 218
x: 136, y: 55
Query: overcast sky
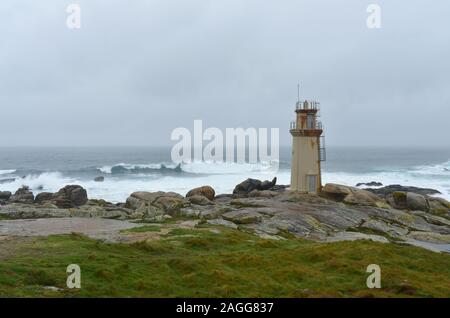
x: 138, y: 69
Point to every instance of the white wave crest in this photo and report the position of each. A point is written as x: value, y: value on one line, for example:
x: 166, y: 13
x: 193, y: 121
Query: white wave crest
x: 7, y: 171
x: 49, y: 181
x: 440, y: 169
x: 203, y: 167
x: 221, y: 167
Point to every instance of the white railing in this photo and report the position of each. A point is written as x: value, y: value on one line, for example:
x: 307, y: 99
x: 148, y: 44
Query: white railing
x: 307, y: 104
x: 317, y: 126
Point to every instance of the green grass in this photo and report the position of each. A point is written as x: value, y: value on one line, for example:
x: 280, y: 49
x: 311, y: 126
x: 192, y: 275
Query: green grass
x: 145, y: 228
x: 202, y: 263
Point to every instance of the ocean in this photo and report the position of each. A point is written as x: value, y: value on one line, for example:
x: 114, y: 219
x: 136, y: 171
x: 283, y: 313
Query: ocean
x: 129, y: 169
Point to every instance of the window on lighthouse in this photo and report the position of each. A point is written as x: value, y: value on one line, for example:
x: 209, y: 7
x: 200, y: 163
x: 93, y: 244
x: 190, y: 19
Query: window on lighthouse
x: 310, y: 121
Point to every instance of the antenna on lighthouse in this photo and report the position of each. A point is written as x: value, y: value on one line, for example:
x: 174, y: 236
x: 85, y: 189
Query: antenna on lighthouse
x: 298, y: 92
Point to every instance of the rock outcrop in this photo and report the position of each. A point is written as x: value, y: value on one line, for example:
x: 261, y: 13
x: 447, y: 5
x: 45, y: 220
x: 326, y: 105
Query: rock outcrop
x: 5, y: 195
x: 70, y: 196
x: 401, y: 200
x: 199, y: 200
x: 439, y: 206
x: 249, y: 185
x: 407, y: 201
x: 22, y: 195
x: 153, y: 205
x: 43, y: 197
x: 262, y: 194
x: 323, y: 219
x: 385, y: 191
x: 417, y: 202
x: 338, y: 213
x: 92, y: 209
x: 352, y: 195
x: 32, y: 211
x: 242, y: 216
x: 370, y: 184
x: 206, y: 191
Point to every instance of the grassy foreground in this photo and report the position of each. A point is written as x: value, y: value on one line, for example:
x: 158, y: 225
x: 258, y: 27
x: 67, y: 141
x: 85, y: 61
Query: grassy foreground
x: 219, y: 262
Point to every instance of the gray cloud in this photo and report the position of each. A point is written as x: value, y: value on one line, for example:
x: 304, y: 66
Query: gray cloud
x: 136, y: 70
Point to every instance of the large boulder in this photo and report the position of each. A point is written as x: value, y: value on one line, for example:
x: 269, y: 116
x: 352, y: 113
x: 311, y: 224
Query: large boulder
x: 336, y: 191
x: 23, y: 195
x: 171, y: 204
x: 416, y: 201
x: 439, y: 206
x: 136, y: 199
x: 205, y: 191
x: 43, y: 197
x: 247, y: 186
x: 363, y: 197
x: 408, y: 201
x: 199, y: 200
x: 150, y: 205
x: 397, y: 200
x: 267, y: 185
x: 352, y: 195
x: 5, y: 195
x: 70, y: 196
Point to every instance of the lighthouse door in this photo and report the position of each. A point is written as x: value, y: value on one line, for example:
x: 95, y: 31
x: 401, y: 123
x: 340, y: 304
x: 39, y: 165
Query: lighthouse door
x: 312, y: 183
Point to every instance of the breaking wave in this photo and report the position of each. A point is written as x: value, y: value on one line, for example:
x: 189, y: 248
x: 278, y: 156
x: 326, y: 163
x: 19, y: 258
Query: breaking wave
x: 442, y: 169
x: 122, y: 179
x: 2, y: 172
x: 123, y: 168
x: 195, y: 167
x: 47, y: 181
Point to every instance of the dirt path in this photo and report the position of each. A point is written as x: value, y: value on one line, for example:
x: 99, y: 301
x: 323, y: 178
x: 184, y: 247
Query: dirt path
x: 104, y: 229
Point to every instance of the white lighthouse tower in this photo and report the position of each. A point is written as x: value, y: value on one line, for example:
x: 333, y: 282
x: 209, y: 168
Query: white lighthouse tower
x: 308, y: 148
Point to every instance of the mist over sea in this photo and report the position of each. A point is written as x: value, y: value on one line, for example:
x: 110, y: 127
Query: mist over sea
x: 129, y: 169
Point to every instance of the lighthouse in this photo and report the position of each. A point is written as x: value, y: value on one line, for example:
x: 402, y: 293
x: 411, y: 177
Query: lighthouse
x: 308, y: 148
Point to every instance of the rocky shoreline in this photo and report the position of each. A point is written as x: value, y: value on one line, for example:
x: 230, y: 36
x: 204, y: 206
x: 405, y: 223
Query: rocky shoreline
x: 403, y: 215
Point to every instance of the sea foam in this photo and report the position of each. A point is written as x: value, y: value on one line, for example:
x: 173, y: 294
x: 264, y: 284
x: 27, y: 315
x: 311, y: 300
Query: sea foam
x: 6, y: 171
x: 223, y: 177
